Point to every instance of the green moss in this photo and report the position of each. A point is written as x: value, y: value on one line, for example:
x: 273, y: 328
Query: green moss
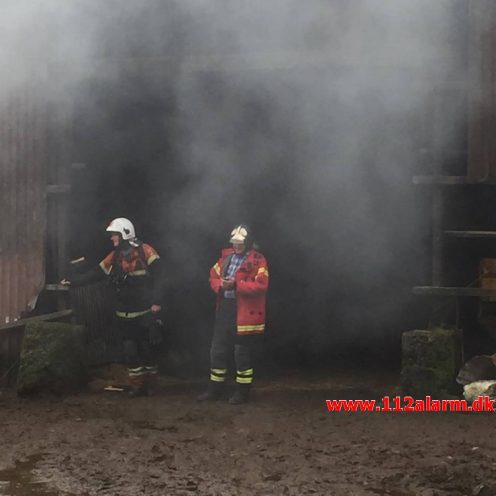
x: 52, y: 358
x: 430, y: 361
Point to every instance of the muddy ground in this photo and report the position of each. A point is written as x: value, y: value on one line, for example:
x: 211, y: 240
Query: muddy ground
x: 284, y: 443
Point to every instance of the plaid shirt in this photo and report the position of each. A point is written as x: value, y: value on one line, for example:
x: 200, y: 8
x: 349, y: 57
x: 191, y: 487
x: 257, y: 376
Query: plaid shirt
x: 235, y: 263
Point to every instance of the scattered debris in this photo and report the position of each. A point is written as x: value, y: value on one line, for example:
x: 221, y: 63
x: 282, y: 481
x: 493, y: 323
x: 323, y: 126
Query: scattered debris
x: 479, y: 388
x: 484, y: 490
x: 478, y: 368
x: 113, y: 388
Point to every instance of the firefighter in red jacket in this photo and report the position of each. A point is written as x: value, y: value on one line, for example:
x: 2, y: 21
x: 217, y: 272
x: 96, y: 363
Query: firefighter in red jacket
x: 240, y: 280
x: 134, y: 268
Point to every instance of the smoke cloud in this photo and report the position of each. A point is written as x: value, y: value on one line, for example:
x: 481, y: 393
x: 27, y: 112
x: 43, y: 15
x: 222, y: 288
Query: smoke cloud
x: 304, y: 119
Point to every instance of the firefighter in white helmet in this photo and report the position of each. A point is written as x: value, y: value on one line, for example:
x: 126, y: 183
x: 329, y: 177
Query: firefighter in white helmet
x: 134, y: 268
x: 124, y: 227
x: 240, y: 279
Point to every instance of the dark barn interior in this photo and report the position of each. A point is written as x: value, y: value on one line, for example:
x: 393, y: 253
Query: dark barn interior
x: 354, y: 138
x: 318, y: 157
x: 334, y: 267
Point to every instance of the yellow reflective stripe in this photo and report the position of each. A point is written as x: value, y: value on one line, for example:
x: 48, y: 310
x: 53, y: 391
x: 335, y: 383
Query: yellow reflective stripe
x: 216, y: 268
x: 244, y: 380
x: 102, y: 266
x: 136, y: 372
x: 132, y: 315
x: 152, y: 258
x: 263, y: 270
x: 247, y: 328
x: 219, y: 371
x: 218, y: 375
x: 217, y: 378
x: 244, y: 373
x: 140, y: 272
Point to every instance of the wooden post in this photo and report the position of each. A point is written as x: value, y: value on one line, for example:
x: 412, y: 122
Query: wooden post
x: 437, y: 192
x: 481, y: 96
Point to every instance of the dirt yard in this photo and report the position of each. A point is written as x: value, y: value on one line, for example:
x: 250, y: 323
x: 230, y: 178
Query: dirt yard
x: 284, y: 443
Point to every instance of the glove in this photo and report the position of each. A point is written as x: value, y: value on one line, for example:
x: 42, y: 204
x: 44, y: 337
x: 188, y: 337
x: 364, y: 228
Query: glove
x: 156, y: 332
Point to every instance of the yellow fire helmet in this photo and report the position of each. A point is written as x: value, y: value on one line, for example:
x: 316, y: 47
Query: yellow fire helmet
x: 239, y: 234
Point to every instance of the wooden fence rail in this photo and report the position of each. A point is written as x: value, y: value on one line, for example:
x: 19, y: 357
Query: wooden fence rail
x: 11, y: 336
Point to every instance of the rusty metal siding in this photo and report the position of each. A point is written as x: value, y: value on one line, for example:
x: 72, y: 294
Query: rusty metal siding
x: 482, y: 84
x: 22, y: 201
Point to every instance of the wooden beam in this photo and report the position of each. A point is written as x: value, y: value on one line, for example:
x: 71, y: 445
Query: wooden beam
x: 325, y: 57
x: 453, y: 291
x: 39, y: 318
x: 56, y: 287
x: 452, y: 180
x: 58, y: 188
x: 470, y: 234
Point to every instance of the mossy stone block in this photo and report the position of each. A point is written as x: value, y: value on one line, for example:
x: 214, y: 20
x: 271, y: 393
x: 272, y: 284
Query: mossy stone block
x: 430, y: 361
x: 53, y: 359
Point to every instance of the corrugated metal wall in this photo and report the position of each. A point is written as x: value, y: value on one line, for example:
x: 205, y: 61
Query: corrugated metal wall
x: 23, y: 158
x: 482, y: 89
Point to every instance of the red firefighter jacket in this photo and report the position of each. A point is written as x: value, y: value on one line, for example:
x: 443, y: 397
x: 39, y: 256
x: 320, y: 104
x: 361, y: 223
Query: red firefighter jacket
x: 252, y: 281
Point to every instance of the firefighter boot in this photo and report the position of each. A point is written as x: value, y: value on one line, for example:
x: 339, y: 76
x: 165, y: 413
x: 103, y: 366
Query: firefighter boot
x: 213, y: 393
x: 151, y: 380
x: 241, y: 394
x: 137, y: 382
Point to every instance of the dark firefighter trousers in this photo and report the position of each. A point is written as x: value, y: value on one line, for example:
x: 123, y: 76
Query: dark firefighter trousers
x: 225, y: 338
x: 140, y: 355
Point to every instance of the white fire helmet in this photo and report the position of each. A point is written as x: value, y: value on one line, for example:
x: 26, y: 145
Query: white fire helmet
x: 123, y: 226
x: 239, y: 235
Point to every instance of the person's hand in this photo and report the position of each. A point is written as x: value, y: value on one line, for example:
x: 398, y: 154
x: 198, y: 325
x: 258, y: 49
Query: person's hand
x: 155, y: 308
x: 227, y: 283
x: 65, y: 282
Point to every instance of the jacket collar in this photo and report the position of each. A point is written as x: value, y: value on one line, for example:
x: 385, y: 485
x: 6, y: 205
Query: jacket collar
x: 230, y: 251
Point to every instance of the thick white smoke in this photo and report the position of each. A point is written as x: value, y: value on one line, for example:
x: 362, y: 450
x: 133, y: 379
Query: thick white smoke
x: 305, y: 119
